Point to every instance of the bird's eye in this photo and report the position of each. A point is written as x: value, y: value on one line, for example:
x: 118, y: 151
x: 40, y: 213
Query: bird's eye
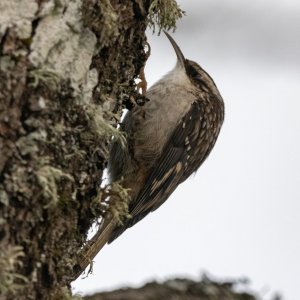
x: 198, y: 77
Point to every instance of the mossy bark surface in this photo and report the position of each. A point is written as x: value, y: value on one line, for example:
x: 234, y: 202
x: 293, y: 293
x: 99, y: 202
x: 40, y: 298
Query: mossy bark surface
x: 66, y: 70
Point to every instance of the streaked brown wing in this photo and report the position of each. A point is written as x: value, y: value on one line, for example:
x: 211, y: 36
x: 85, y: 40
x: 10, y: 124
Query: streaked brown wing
x: 170, y: 170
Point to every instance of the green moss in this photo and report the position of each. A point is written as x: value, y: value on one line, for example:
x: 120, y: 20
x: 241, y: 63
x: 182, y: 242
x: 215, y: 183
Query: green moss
x: 118, y: 206
x: 113, y: 198
x: 48, y: 77
x: 110, y: 22
x: 165, y: 14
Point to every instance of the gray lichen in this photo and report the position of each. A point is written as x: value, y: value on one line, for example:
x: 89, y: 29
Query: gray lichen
x: 28, y: 144
x: 91, y: 80
x: 18, y: 14
x: 3, y: 197
x: 61, y: 45
x: 48, y: 178
x: 101, y: 128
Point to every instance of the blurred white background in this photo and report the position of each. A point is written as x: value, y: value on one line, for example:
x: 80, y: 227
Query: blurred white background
x: 240, y: 215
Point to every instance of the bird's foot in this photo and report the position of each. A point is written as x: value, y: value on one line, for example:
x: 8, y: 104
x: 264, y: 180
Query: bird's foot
x: 142, y: 85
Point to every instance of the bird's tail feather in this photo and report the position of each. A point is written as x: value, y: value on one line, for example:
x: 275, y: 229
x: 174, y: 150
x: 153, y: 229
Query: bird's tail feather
x: 94, y: 246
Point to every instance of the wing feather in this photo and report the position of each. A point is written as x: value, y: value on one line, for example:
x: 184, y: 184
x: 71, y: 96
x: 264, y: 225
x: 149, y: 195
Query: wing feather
x: 168, y: 172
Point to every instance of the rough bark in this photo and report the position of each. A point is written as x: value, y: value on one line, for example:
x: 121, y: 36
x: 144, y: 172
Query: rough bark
x: 67, y: 69
x: 180, y: 289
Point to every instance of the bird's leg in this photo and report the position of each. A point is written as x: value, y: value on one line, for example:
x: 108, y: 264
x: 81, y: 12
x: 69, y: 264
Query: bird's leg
x: 143, y: 83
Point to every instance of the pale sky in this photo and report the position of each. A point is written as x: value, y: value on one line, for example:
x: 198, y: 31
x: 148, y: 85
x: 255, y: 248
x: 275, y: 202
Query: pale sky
x: 240, y: 214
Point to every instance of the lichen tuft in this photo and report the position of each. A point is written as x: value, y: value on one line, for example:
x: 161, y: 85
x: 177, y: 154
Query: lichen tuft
x: 101, y: 128
x: 10, y: 280
x: 165, y: 14
x: 48, y: 178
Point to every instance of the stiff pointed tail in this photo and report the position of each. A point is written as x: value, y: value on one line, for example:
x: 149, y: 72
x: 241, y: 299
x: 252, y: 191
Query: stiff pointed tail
x: 93, y: 247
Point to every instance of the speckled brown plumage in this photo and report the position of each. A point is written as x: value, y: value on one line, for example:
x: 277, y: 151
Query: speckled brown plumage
x: 184, y: 149
x: 168, y: 140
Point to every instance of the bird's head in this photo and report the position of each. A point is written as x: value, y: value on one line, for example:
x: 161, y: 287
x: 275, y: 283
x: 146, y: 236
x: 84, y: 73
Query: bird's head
x: 198, y: 76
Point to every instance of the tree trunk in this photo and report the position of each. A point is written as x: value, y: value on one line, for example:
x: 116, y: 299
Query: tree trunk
x: 67, y: 68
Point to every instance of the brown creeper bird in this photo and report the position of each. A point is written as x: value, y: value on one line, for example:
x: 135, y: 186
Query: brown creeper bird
x: 167, y: 140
